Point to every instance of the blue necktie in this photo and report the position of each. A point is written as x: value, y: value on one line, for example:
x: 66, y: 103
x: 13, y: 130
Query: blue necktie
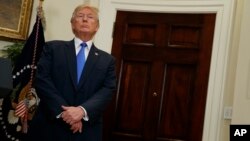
x: 80, y: 61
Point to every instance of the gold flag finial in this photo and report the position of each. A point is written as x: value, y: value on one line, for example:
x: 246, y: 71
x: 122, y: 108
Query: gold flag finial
x: 40, y: 3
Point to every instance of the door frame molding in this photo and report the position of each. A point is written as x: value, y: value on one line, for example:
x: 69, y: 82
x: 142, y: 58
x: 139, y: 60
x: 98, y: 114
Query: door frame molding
x: 221, y: 44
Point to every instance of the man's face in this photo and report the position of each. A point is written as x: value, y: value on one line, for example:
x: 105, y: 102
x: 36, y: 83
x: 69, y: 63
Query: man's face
x: 85, y: 21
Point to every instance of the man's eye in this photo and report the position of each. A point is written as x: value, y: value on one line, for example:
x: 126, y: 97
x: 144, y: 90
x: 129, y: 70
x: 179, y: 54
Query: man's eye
x: 80, y: 16
x: 90, y: 16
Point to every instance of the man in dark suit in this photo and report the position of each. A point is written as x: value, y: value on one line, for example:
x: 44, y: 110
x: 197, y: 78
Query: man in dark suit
x: 71, y: 108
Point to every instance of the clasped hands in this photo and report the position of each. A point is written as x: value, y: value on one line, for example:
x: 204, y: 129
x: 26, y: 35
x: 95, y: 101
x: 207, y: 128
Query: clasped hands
x: 73, y: 116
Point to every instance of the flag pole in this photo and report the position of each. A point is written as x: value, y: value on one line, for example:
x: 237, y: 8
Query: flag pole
x: 39, y: 17
x: 33, y: 67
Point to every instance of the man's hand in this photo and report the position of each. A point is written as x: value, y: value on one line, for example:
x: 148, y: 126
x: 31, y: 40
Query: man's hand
x: 72, y: 115
x: 76, y: 127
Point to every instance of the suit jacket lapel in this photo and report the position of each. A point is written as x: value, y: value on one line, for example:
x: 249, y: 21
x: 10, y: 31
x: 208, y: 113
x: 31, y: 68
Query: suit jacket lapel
x: 71, y: 61
x: 89, y: 65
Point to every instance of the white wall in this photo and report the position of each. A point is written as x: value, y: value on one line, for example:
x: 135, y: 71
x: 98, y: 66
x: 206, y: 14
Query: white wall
x: 241, y: 100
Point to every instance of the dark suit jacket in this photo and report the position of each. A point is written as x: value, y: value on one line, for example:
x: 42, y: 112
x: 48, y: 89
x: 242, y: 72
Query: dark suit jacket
x: 56, y: 85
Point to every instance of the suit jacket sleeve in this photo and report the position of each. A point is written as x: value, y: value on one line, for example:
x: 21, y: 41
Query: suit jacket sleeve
x: 45, y: 87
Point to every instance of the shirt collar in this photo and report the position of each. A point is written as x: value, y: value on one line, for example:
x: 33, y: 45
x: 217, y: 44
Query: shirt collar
x: 79, y: 41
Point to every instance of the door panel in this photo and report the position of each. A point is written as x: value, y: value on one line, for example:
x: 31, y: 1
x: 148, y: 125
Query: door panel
x: 163, y: 64
x: 132, y: 106
x: 176, y: 106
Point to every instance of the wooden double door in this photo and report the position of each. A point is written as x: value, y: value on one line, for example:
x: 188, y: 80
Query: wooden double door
x: 163, y: 63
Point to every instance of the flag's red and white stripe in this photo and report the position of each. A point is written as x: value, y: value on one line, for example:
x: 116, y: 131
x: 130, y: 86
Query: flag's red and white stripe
x: 21, y: 109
